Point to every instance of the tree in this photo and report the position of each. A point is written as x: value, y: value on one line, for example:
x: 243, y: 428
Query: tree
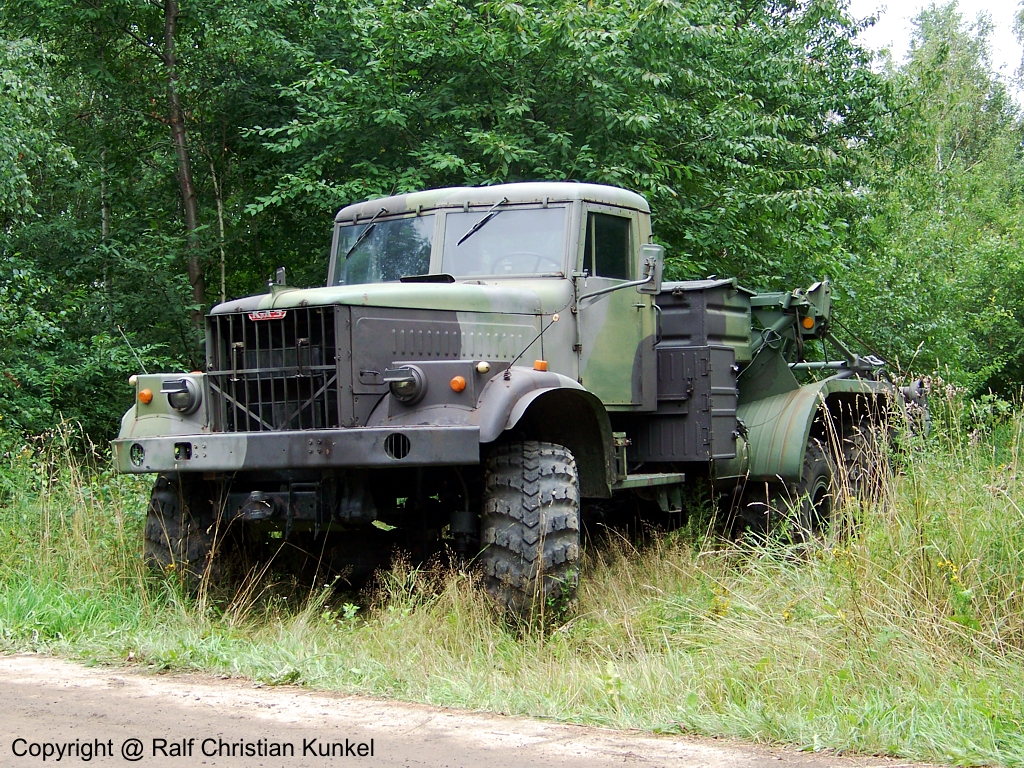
x: 27, y: 143
x: 744, y: 124
x: 938, y: 275
x: 135, y: 91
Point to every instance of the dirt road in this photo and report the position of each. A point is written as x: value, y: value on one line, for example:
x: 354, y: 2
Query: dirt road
x: 67, y: 713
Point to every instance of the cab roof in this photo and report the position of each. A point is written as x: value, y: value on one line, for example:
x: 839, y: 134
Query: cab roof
x: 521, y: 192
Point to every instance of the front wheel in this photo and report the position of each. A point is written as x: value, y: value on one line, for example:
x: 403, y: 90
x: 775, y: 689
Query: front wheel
x: 530, y: 528
x: 181, y: 525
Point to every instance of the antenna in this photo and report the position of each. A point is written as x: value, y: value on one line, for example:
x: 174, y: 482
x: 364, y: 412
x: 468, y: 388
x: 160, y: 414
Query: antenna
x: 508, y: 371
x: 137, y: 358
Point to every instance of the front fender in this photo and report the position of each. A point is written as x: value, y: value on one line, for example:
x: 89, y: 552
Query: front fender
x: 156, y: 418
x: 501, y: 405
x: 549, y: 406
x: 500, y: 396
x: 779, y: 427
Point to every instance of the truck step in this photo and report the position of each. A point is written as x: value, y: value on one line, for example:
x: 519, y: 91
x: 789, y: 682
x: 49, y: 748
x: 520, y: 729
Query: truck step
x: 649, y: 480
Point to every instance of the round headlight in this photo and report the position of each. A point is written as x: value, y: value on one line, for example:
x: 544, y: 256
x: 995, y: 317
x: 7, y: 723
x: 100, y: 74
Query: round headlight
x: 408, y: 384
x: 183, y: 395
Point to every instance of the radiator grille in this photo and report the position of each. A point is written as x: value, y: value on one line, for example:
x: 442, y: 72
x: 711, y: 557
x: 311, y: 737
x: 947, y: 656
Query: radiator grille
x: 276, y: 373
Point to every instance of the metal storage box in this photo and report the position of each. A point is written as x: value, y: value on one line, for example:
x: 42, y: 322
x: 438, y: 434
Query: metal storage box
x: 698, y: 313
x: 696, y: 416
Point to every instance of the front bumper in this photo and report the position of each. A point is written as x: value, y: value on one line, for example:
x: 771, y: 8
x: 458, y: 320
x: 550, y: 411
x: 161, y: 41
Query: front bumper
x: 306, y: 449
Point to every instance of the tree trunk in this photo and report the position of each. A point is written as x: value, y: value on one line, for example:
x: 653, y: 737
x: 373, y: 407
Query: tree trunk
x: 220, y: 227
x: 185, y: 180
x: 108, y: 283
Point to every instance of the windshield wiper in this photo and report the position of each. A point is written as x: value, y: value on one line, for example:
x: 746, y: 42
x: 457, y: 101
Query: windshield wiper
x: 491, y: 213
x: 363, y: 235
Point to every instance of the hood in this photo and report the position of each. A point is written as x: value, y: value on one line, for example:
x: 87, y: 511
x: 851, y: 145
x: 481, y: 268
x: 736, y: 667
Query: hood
x: 515, y: 299
x: 506, y: 297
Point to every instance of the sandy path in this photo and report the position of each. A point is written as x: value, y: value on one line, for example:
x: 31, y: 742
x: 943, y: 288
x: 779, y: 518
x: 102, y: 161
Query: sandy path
x: 46, y: 701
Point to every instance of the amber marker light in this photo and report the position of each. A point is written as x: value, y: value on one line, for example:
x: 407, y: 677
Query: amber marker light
x: 458, y: 383
x: 145, y: 396
x: 807, y: 322
x: 540, y: 365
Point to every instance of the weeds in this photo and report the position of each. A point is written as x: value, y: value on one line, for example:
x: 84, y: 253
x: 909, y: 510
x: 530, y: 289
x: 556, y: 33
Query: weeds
x: 904, y: 636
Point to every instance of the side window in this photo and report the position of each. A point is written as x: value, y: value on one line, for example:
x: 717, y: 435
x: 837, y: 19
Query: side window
x: 607, y: 246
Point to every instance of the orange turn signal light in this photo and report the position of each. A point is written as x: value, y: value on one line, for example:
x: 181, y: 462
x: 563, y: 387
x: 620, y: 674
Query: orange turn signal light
x: 145, y: 396
x: 540, y: 365
x: 458, y: 383
x: 807, y: 322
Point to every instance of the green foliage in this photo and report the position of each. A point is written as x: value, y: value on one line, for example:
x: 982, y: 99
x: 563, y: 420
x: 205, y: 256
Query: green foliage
x: 745, y: 125
x: 29, y: 147
x: 104, y: 251
x: 936, y: 280
x: 767, y: 145
x: 54, y: 366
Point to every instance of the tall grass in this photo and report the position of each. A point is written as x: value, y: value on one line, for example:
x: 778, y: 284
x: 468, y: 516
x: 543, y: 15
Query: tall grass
x: 905, y: 637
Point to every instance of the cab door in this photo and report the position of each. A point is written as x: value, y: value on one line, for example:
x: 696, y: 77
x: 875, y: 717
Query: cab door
x: 613, y: 327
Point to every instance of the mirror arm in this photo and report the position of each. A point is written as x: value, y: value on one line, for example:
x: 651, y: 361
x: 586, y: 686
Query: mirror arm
x: 652, y: 275
x: 611, y: 288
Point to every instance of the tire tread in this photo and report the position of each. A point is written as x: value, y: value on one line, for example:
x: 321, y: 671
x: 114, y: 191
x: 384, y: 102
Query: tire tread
x: 530, y: 525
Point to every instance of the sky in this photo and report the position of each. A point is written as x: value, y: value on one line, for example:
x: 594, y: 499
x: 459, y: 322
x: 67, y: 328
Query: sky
x: 893, y: 29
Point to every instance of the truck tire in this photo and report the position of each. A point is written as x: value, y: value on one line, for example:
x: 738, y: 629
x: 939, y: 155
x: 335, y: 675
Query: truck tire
x: 813, y: 496
x: 530, y: 528
x: 798, y: 512
x: 865, y: 460
x: 181, y: 529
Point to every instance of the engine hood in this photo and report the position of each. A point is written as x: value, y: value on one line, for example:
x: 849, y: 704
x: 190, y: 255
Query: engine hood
x: 511, y: 297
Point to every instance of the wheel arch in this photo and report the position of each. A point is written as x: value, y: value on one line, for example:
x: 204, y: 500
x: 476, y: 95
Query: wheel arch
x: 847, y: 407
x: 547, y: 406
x: 576, y: 419
x: 779, y: 427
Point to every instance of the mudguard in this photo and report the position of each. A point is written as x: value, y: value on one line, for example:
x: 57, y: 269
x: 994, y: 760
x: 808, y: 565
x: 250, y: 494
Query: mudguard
x: 778, y: 427
x: 552, y: 407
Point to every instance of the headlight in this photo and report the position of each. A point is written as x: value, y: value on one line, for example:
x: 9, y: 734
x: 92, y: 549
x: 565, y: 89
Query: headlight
x: 182, y: 395
x: 408, y: 384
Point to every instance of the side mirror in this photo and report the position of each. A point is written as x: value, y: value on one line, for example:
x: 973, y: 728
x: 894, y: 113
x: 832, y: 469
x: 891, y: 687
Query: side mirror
x: 653, y: 258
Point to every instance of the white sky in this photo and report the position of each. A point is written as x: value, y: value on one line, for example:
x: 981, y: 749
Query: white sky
x: 893, y: 29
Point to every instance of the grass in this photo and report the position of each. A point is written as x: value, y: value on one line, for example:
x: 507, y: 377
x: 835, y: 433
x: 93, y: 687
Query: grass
x: 905, y: 638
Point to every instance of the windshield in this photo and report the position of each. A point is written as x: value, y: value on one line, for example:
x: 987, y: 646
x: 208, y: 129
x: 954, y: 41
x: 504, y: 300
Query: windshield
x: 390, y: 250
x: 513, y: 242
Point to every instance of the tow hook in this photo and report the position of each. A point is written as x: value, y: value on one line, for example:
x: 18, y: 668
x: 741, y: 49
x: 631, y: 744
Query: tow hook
x: 257, y: 507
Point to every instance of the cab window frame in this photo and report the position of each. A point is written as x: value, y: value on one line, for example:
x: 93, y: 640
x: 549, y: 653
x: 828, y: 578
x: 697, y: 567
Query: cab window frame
x: 583, y: 257
x: 336, y: 240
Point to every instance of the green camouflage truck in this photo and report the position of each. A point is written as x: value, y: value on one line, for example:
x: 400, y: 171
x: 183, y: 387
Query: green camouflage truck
x: 481, y: 364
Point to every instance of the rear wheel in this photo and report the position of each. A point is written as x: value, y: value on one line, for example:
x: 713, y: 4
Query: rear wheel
x: 813, y: 496
x: 181, y: 528
x: 530, y: 527
x: 865, y: 460
x: 800, y: 511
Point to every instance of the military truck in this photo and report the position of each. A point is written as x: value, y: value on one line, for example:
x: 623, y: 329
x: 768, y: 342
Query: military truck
x: 480, y: 363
